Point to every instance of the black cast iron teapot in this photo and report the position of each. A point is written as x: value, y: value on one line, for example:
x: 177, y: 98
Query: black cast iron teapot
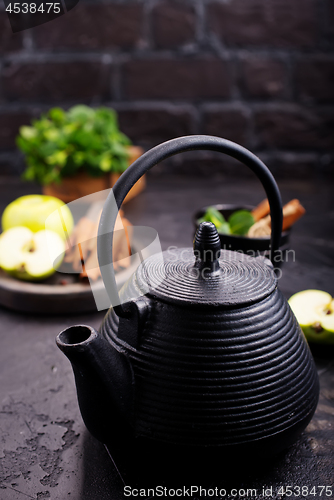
x: 211, y: 358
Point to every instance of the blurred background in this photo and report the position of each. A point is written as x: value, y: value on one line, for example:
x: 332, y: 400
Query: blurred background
x: 258, y: 72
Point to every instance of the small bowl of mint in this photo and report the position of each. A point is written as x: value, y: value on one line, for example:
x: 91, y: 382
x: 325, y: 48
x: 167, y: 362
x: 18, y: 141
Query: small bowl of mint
x: 233, y: 223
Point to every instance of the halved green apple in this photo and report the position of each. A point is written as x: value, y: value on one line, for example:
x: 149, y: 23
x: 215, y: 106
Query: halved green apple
x: 314, y: 311
x: 30, y: 256
x: 33, y: 210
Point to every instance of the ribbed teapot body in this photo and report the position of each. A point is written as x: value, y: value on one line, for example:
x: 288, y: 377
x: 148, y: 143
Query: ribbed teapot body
x: 219, y: 376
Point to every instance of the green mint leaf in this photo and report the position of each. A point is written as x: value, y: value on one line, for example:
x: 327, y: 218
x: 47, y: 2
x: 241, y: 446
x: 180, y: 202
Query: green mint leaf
x: 240, y: 222
x: 214, y: 216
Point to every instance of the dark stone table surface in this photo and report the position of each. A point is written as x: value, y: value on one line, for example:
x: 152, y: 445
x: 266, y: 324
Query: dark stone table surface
x: 46, y: 451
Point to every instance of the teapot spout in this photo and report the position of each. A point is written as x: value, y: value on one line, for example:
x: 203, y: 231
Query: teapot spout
x: 101, y: 375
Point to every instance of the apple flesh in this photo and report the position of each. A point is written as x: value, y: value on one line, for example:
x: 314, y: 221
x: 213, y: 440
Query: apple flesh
x: 31, y: 211
x: 30, y: 256
x: 314, y: 311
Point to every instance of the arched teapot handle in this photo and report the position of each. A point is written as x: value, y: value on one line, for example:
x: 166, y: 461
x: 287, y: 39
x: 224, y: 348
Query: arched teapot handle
x: 151, y: 158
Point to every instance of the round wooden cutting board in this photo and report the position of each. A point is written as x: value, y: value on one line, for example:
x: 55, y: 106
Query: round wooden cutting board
x: 60, y: 294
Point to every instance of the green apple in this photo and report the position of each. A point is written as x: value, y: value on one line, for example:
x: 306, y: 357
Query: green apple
x: 30, y: 256
x: 32, y: 211
x: 314, y: 311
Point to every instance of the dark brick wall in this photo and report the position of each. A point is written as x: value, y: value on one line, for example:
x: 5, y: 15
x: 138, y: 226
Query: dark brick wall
x: 259, y: 72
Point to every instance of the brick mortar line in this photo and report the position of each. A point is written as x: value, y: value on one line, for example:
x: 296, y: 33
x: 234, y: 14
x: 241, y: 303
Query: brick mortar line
x: 251, y: 128
x: 150, y: 106
x: 270, y: 105
x: 265, y: 154
x: 1, y: 83
x: 25, y: 106
x: 27, y: 42
x: 322, y: 7
x: 200, y: 31
x: 148, y: 23
x: 116, y: 83
x: 197, y: 120
x: 258, y: 150
x: 226, y: 104
x: 108, y: 2
x: 30, y: 55
x: 290, y: 76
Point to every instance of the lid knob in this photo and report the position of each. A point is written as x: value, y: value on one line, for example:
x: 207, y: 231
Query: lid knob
x: 207, y: 246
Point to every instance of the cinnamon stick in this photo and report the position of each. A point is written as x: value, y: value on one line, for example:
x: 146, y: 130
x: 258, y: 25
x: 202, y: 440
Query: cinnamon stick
x: 83, y: 251
x: 292, y: 212
x: 261, y: 210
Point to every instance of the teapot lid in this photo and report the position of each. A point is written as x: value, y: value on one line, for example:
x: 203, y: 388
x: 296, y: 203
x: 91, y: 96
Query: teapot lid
x: 206, y: 275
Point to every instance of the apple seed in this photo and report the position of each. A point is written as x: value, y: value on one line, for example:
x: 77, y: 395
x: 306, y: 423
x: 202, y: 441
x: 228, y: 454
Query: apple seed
x: 317, y: 327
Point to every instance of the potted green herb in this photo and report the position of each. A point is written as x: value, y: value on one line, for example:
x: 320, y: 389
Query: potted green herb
x: 76, y: 152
